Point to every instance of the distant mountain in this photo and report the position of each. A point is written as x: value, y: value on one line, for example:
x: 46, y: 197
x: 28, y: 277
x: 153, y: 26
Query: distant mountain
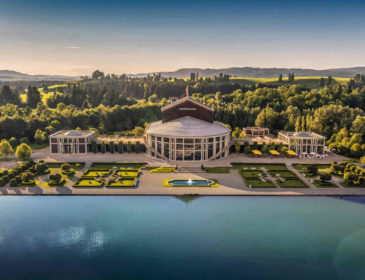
x: 254, y: 72
x: 8, y: 75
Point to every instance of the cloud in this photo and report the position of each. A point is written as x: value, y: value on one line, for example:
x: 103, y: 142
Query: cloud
x: 72, y: 47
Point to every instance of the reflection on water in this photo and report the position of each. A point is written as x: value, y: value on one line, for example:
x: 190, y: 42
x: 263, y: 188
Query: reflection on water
x: 213, y: 238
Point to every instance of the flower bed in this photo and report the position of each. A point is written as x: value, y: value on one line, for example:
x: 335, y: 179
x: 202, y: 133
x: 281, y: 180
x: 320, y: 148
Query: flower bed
x: 88, y: 182
x: 95, y: 172
x: 256, y: 153
x: 274, y: 153
x: 123, y: 182
x: 125, y: 172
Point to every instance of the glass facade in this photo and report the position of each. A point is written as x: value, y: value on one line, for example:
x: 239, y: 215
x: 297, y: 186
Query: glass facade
x: 188, y: 149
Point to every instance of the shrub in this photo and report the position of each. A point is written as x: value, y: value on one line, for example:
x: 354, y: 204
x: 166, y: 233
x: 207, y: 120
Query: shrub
x: 55, y: 177
x: 6, y: 179
x: 325, y: 177
x: 23, y: 152
x: 18, y: 179
x: 13, y: 142
x: 13, y: 183
x: 66, y: 167
x: 41, y: 168
x: 248, y: 150
x: 312, y: 169
x: 5, y: 172
x: 2, y: 182
x: 27, y: 176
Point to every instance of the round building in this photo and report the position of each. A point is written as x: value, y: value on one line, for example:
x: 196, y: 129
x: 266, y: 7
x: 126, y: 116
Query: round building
x: 187, y: 132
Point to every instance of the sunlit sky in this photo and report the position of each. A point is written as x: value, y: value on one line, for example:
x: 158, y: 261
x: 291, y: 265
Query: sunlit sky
x: 73, y: 37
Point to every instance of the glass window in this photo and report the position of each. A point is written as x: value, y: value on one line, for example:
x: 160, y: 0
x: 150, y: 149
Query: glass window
x: 158, y: 138
x: 188, y: 140
x: 179, y: 147
x: 210, y: 150
x: 179, y: 140
x: 198, y: 156
x: 210, y: 140
x: 188, y: 155
x: 198, y: 141
x: 166, y: 140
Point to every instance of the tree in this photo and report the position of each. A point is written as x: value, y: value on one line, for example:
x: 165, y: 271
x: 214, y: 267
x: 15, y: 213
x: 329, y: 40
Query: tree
x: 236, y: 133
x: 120, y: 147
x: 102, y: 147
x: 39, y: 136
x: 138, y: 147
x: 5, y: 148
x: 280, y: 80
x: 138, y: 131
x: 13, y: 142
x: 94, y: 147
x: 97, y: 74
x: 356, y: 150
x: 33, y: 97
x: 237, y: 147
x: 111, y: 147
x: 23, y: 152
x: 129, y: 147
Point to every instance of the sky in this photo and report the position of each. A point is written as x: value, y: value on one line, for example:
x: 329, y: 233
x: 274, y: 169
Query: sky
x: 72, y: 37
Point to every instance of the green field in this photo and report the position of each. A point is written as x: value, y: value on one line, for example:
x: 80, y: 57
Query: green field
x: 310, y: 82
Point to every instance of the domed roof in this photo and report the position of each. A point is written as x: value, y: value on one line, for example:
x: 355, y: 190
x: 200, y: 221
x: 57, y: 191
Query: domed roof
x: 302, y: 134
x: 74, y: 133
x: 187, y: 127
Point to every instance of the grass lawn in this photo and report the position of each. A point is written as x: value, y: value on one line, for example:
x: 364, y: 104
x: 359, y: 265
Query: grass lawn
x: 88, y: 182
x: 346, y: 185
x: 35, y: 146
x: 216, y: 169
x: 284, y: 174
x: 251, y: 174
x: 6, y: 159
x: 294, y: 183
x: 320, y: 184
x: 259, y: 184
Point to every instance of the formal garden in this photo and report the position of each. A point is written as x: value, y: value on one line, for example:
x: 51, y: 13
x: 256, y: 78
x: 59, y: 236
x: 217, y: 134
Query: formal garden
x: 117, y: 174
x: 265, y: 175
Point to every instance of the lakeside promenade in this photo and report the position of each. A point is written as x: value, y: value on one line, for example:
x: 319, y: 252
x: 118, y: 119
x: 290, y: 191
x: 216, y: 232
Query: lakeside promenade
x: 152, y: 183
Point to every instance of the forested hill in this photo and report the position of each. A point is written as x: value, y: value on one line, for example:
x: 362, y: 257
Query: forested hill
x: 9, y: 75
x: 254, y: 72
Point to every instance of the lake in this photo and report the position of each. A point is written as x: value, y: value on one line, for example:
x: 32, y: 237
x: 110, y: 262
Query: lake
x: 129, y: 237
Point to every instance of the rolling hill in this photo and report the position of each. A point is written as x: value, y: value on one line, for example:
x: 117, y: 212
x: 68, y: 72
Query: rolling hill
x: 9, y: 75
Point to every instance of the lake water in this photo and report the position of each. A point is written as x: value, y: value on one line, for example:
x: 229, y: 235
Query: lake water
x: 89, y: 237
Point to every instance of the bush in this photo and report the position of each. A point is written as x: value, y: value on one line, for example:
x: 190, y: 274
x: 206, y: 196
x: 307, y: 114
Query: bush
x: 55, y: 177
x: 94, y: 147
x: 6, y: 179
x: 23, y: 152
x: 66, y: 167
x: 138, y: 147
x: 27, y: 176
x: 18, y: 179
x: 102, y: 147
x: 24, y: 140
x: 41, y: 168
x: 312, y: 169
x: 5, y: 172
x: 325, y: 177
x: 2, y: 182
x: 13, y: 183
x: 129, y: 147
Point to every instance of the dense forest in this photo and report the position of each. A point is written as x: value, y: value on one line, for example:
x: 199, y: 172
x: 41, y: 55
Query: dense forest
x: 112, y: 103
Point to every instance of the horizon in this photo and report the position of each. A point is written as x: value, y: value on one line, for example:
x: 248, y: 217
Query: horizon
x: 74, y: 38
